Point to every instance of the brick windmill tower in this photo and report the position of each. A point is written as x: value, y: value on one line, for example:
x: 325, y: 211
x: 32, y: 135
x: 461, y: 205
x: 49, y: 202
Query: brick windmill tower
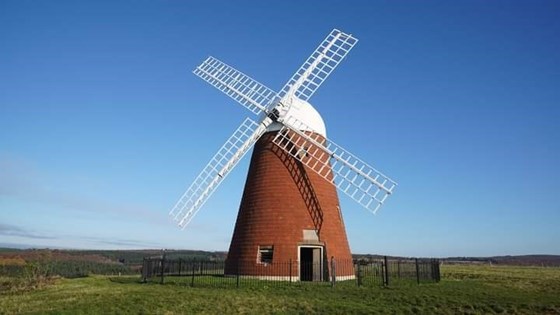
x: 290, y: 209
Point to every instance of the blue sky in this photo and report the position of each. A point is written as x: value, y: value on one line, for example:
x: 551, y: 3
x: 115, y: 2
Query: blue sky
x: 103, y: 125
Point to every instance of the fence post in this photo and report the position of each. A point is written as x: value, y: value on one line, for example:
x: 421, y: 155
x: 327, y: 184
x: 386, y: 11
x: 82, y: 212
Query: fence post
x: 386, y: 271
x: 435, y: 270
x: 290, y: 271
x: 193, y: 269
x: 432, y: 274
x: 237, y: 273
x: 359, y: 273
x: 162, y: 266
x: 144, y: 270
x: 333, y: 271
x: 180, y: 260
x: 417, y: 272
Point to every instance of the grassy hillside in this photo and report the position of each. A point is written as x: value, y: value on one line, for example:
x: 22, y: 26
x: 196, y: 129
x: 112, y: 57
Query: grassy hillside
x: 469, y: 289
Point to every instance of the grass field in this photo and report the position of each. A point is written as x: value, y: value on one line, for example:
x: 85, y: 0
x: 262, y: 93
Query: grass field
x: 469, y: 289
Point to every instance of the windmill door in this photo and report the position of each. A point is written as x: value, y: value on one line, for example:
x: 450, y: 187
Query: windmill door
x: 310, y: 263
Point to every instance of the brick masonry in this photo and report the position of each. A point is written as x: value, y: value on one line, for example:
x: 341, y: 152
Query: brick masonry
x: 282, y: 198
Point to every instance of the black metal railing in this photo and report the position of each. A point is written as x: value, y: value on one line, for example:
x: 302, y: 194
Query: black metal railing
x: 378, y: 272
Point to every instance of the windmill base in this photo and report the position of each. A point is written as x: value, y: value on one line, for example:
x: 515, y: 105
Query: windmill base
x: 292, y: 271
x: 288, y: 278
x: 289, y: 224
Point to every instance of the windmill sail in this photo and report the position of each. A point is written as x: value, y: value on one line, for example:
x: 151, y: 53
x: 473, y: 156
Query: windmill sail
x: 355, y: 178
x: 217, y: 169
x: 319, y: 65
x: 237, y: 85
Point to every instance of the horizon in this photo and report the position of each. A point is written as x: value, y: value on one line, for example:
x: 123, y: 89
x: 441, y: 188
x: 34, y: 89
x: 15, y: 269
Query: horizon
x: 31, y: 247
x: 103, y: 125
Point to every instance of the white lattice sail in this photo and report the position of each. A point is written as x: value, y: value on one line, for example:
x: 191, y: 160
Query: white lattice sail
x: 217, y: 169
x: 237, y: 85
x: 305, y: 82
x: 352, y: 176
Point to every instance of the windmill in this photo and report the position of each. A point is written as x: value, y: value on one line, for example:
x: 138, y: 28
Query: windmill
x: 290, y: 208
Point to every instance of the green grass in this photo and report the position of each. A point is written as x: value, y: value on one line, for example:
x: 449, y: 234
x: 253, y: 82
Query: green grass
x: 463, y: 290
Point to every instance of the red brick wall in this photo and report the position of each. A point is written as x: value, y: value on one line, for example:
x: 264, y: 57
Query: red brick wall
x: 280, y: 200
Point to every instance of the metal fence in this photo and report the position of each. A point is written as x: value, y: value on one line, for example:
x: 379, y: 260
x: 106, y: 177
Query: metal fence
x: 379, y: 272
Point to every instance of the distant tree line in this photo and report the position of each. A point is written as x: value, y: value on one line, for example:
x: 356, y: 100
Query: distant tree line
x: 80, y: 263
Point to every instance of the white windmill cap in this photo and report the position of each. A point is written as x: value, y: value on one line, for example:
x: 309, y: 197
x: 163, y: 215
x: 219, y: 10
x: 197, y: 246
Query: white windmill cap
x: 305, y: 113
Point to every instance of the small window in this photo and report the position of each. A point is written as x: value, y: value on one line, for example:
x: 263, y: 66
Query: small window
x: 265, y: 254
